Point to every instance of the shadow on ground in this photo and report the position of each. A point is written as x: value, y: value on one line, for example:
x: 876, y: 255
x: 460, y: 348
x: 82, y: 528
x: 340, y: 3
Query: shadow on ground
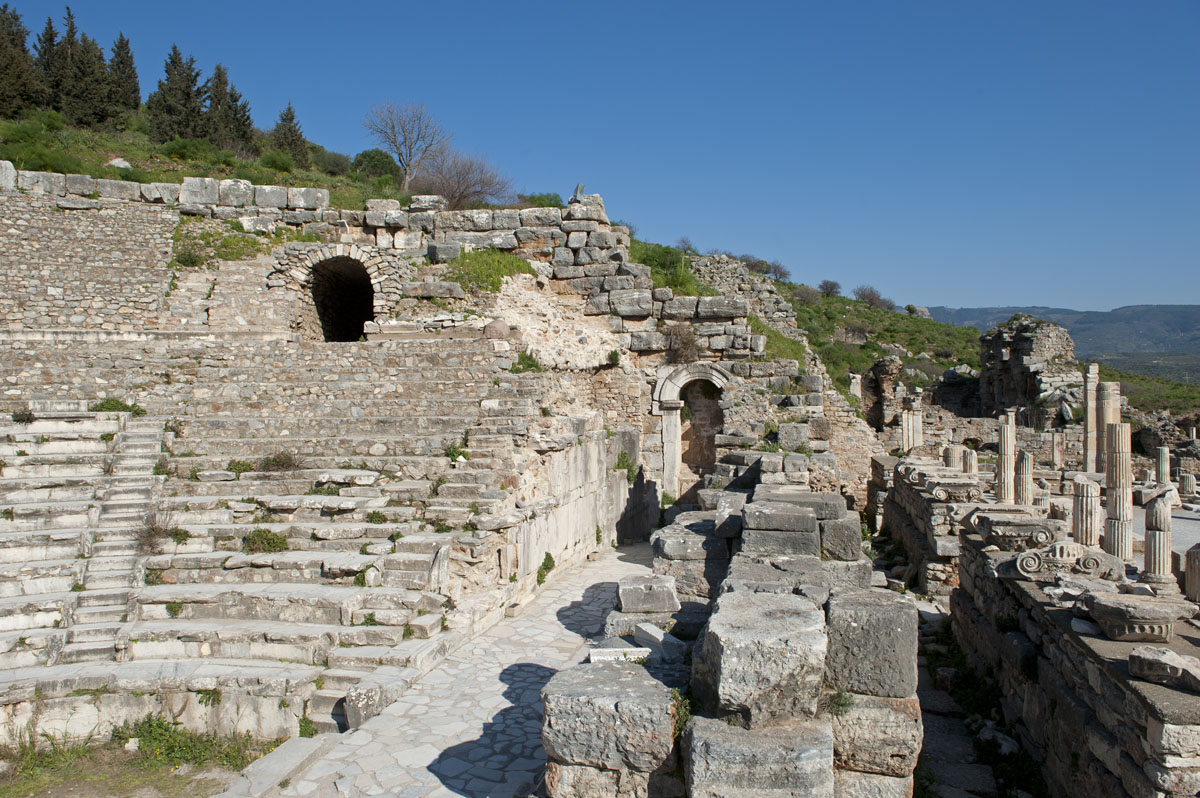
x: 507, y: 759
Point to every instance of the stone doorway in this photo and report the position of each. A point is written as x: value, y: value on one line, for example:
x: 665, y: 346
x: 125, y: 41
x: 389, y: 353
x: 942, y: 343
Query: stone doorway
x: 344, y: 298
x: 700, y: 420
x: 675, y: 386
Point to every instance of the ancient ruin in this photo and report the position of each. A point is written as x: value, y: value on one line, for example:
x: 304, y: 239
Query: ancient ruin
x: 569, y: 534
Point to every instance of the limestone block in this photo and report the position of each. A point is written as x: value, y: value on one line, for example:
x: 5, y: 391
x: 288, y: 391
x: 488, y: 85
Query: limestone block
x: 395, y: 218
x: 781, y: 542
x: 619, y: 654
x: 77, y: 204
x: 570, y: 272
x: 200, y: 191
x: 382, y: 205
x: 841, y: 538
x: 852, y: 784
x: 647, y: 594
x: 618, y: 283
x: 662, y: 645
x: 427, y: 202
x: 236, y: 193
x: 384, y: 239
x: 613, y: 716
x: 271, y: 196
x: 648, y: 342
x: 663, y: 294
x: 604, y: 240
x: 192, y: 209
x: 823, y: 505
x: 694, y: 578
x: 632, y: 303
x: 216, y: 476
x: 577, y: 240
x: 583, y: 781
x: 878, y: 735
x: 725, y: 761
x: 597, y: 305
x: 119, y: 189
x: 161, y: 192
x: 42, y: 183
x: 721, y: 307
x: 587, y: 212
x: 307, y: 199
x: 444, y: 251
x: 8, y: 176
x: 762, y: 658
x: 873, y: 643
x: 778, y: 516
x: 680, y: 308
x: 541, y: 217
x: 693, y: 542
x: 81, y: 184
x: 256, y: 224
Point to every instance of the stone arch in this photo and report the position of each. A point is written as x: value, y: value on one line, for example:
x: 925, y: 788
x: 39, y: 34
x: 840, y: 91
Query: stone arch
x: 344, y: 298
x: 668, y: 402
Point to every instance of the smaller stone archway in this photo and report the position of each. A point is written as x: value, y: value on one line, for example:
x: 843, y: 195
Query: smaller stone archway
x: 344, y: 298
x: 668, y: 402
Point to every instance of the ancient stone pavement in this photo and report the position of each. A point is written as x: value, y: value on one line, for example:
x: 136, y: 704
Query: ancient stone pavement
x: 472, y: 727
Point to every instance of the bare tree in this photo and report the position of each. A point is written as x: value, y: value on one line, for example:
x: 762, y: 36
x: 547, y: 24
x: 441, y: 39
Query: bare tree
x: 408, y: 132
x: 464, y: 180
x: 870, y: 295
x: 830, y: 287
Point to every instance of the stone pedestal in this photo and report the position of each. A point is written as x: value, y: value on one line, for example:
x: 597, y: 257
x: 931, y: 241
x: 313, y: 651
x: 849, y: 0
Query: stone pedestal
x: 1108, y: 412
x: 1118, y: 475
x: 1024, y: 478
x: 1087, y: 519
x: 1006, y: 463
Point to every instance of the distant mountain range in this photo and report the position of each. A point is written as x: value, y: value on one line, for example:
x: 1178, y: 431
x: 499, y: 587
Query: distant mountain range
x: 1142, y: 329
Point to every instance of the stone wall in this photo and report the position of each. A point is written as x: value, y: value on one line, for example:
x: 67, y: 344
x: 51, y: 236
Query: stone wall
x: 1029, y: 364
x: 1097, y: 731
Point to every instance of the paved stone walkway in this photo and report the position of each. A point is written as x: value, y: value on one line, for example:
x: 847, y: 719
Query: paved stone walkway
x: 472, y: 727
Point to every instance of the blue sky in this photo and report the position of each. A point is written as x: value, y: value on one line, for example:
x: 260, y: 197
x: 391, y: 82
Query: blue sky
x: 947, y: 153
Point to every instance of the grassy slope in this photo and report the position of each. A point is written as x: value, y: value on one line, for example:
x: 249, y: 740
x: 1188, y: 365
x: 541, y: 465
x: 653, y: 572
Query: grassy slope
x: 33, y: 145
x: 1155, y: 393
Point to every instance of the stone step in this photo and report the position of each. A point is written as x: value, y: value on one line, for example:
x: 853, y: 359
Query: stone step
x: 99, y: 564
x: 114, y: 548
x: 93, y: 632
x: 341, y: 680
x: 103, y: 598
x: 327, y: 702
x: 104, y: 614
x: 108, y: 579
x: 90, y: 651
x: 334, y: 724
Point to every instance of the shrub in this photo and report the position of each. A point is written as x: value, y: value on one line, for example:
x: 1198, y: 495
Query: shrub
x: 174, y: 608
x: 874, y: 299
x: 614, y: 357
x: 545, y: 568
x: 277, y: 160
x: 484, y: 270
x: 331, y: 163
x: 454, y: 451
x: 263, y: 541
x: 624, y: 463
x: 166, y: 742
x: 239, y: 467
x: 280, y: 461
x: 526, y: 362
x: 187, y: 256
x: 179, y: 535
x: 23, y: 416
x: 112, y: 405
x: 806, y: 295
x: 190, y: 150
x: 683, y: 347
x: 545, y: 200
x: 376, y: 517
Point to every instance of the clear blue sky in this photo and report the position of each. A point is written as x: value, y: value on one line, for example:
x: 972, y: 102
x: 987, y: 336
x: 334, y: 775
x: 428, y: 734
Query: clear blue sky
x: 948, y: 153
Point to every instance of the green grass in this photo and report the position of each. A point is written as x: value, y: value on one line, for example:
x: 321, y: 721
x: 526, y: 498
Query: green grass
x: 779, y: 346
x: 526, y: 362
x: 262, y: 540
x: 668, y: 268
x: 113, y: 405
x: 484, y: 270
x: 41, y: 143
x: 1151, y: 394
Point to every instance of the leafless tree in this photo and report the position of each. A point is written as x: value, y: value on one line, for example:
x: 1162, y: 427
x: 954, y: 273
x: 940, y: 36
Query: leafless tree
x: 408, y: 132
x: 464, y: 180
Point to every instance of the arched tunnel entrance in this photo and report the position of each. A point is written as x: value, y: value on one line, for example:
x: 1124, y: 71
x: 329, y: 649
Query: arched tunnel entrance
x: 701, y: 419
x: 344, y: 298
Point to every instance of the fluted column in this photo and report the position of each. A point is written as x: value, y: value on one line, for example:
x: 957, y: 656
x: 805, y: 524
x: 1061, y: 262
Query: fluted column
x: 1157, y: 571
x: 1162, y: 465
x: 1024, y: 478
x: 1187, y: 484
x: 1109, y: 412
x: 1118, y: 478
x: 952, y: 457
x: 1191, y: 581
x: 970, y: 462
x: 1006, y: 463
x: 1091, y: 416
x: 1087, y: 520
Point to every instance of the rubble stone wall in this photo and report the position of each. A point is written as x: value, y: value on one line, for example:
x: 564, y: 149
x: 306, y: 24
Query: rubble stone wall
x: 1027, y: 363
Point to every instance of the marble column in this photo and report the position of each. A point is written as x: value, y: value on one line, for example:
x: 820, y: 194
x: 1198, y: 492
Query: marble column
x: 952, y: 457
x: 1108, y: 412
x: 1118, y: 478
x: 971, y: 462
x: 1087, y: 519
x: 1023, y: 488
x: 1191, y: 580
x: 1006, y: 463
x: 1162, y: 465
x: 1157, y: 572
x: 1091, y: 415
x: 1056, y: 450
x: 1187, y: 484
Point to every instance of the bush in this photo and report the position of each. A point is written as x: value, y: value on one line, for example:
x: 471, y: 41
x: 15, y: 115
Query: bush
x: 614, y: 357
x: 112, y: 405
x: 23, y: 416
x: 375, y: 163
x: 545, y: 200
x: 545, y: 568
x: 806, y: 295
x: 526, y: 362
x: 874, y: 299
x: 166, y: 742
x: 239, y: 467
x: 263, y: 541
x: 624, y: 463
x: 830, y: 288
x: 331, y: 163
x: 484, y: 270
x: 277, y: 160
x: 376, y: 517
x: 190, y: 150
x: 683, y: 345
x: 280, y: 461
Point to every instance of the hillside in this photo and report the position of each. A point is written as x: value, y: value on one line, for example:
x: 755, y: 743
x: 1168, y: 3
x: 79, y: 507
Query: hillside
x: 1149, y: 329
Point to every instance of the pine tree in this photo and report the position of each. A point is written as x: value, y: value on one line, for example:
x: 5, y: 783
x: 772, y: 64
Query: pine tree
x: 124, y: 91
x: 19, y: 82
x: 227, y: 120
x: 288, y: 137
x: 174, y: 109
x: 46, y: 64
x: 84, y: 93
x: 242, y: 125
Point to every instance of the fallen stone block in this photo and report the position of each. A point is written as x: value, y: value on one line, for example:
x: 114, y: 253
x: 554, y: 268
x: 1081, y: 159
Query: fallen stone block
x: 778, y: 516
x: 612, y: 716
x: 851, y: 784
x: 878, y: 735
x: 1164, y: 666
x: 725, y: 761
x: 761, y: 658
x: 647, y: 594
x: 662, y: 645
x: 872, y: 643
x: 841, y: 538
x: 619, y: 654
x: 770, y: 542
